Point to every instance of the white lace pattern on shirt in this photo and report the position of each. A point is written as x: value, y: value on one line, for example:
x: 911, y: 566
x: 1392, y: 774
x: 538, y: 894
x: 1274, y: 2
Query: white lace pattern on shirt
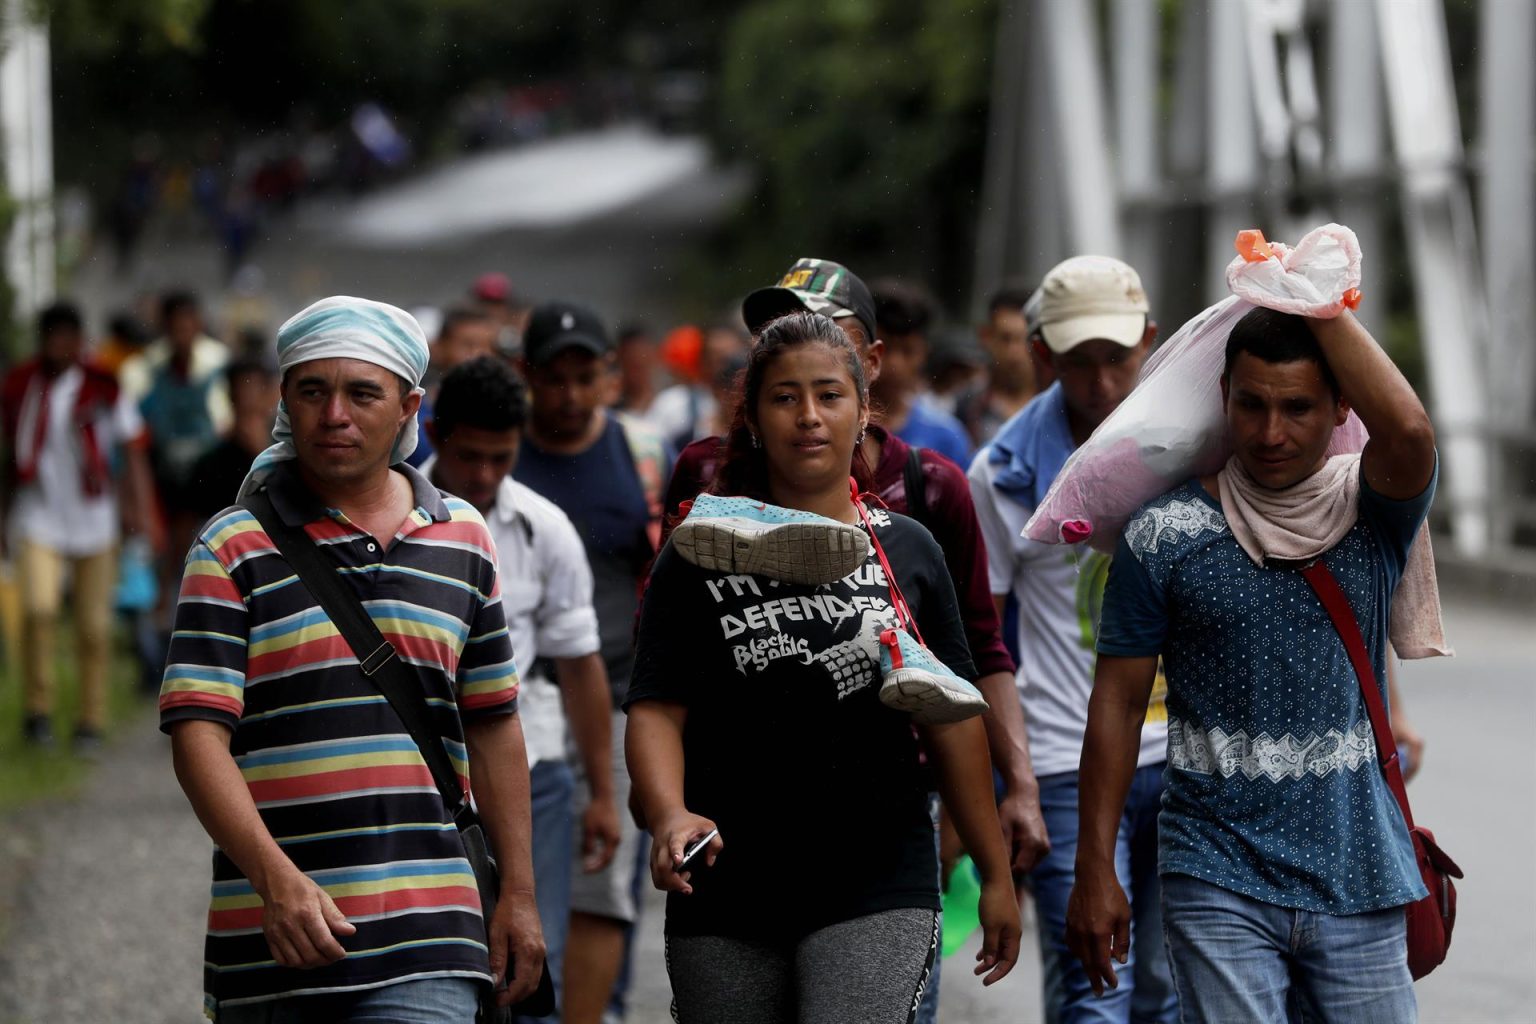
x: 1188, y: 518
x: 1205, y: 752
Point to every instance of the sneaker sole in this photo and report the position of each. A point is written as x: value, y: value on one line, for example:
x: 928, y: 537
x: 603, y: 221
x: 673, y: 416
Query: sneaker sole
x: 915, y: 692
x: 792, y: 553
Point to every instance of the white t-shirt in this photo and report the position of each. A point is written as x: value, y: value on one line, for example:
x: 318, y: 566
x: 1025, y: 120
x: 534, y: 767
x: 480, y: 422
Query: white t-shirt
x: 681, y: 410
x: 546, y: 595
x: 54, y: 511
x: 1060, y: 591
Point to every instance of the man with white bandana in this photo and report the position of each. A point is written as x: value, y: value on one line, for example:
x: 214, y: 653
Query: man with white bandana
x: 341, y: 891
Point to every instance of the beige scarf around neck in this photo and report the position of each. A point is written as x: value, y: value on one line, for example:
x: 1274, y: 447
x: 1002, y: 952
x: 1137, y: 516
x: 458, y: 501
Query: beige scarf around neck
x: 1303, y: 521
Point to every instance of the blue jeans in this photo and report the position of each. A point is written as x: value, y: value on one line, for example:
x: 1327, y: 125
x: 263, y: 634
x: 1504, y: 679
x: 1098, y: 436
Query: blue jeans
x: 424, y: 1001
x: 1146, y: 992
x: 1235, y: 958
x: 551, y: 784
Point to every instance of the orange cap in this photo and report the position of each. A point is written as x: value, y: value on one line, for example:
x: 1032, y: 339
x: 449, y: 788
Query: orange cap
x: 682, y: 349
x: 1252, y: 246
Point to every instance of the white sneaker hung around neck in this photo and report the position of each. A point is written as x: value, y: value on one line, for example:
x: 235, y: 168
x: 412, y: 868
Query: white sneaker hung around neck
x: 739, y: 535
x: 919, y: 684
x: 913, y: 679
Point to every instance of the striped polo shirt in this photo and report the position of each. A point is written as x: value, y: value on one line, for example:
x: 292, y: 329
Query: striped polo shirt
x: 336, y: 777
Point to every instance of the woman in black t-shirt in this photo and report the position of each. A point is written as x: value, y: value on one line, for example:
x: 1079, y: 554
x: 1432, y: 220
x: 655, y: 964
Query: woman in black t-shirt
x: 753, y: 710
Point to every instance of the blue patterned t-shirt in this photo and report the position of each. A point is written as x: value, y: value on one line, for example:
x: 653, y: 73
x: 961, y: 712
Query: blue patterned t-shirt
x: 1273, y: 790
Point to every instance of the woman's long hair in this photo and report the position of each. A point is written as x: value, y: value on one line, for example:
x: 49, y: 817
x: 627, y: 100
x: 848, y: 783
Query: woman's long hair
x: 744, y: 469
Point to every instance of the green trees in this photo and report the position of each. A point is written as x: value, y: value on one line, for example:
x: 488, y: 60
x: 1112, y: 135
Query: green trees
x: 865, y: 121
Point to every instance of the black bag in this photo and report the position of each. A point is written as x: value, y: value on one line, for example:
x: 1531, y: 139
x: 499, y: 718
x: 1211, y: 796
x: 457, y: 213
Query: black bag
x: 916, y: 485
x: 400, y: 685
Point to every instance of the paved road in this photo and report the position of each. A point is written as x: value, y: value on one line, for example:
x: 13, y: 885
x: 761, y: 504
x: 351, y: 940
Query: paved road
x: 108, y: 923
x: 619, y: 248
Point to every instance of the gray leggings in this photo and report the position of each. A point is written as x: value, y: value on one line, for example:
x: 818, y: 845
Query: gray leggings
x: 870, y: 970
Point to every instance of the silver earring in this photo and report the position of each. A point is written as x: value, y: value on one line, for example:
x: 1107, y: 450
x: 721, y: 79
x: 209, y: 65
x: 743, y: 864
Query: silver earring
x: 755, y: 442
x: 860, y: 439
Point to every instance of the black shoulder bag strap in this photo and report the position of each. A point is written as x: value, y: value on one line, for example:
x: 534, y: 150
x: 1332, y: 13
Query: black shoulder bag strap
x: 400, y: 685
x: 916, y: 486
x: 375, y: 655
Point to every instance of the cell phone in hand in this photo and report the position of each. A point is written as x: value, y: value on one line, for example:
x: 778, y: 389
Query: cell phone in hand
x: 697, y: 848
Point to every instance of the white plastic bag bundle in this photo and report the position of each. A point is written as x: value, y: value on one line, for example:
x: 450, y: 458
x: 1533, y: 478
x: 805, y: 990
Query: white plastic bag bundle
x: 1172, y: 427
x: 1319, y: 278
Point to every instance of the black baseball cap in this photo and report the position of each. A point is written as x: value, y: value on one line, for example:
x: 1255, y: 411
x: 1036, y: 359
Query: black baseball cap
x: 554, y: 327
x: 815, y: 286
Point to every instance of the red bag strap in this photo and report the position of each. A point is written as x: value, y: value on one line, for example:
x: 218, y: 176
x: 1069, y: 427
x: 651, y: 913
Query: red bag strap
x: 1327, y: 588
x: 904, y: 614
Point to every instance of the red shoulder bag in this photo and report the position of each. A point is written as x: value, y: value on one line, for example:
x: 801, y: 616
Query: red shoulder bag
x: 1430, y: 919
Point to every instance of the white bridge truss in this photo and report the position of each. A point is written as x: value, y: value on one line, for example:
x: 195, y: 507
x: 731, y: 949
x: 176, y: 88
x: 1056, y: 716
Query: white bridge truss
x: 1283, y: 114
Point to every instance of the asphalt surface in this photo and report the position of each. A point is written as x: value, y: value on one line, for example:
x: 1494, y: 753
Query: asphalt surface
x: 620, y: 247
x: 106, y: 918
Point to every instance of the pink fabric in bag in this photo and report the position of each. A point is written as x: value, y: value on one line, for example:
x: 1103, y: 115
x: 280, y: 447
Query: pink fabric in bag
x: 1171, y: 427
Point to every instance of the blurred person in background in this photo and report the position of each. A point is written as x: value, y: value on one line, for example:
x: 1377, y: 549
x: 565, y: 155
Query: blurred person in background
x: 492, y: 294
x: 956, y: 366
x: 126, y: 337
x: 606, y: 474
x: 726, y: 370
x: 465, y: 333
x: 690, y: 409
x: 639, y: 360
x: 247, y: 308
x: 925, y: 485
x: 253, y: 392
x: 179, y: 384
x: 134, y: 199
x: 251, y: 343
x: 253, y: 397
x: 1015, y: 372
x: 903, y: 315
x: 1095, y: 331
x: 546, y: 593
x: 67, y: 426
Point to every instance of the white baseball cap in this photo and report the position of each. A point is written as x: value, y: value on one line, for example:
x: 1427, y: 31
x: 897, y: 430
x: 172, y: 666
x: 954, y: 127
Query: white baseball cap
x: 1088, y: 297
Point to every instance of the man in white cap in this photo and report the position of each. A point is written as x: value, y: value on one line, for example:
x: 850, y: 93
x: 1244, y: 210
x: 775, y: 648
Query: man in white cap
x: 341, y: 888
x: 1093, y: 330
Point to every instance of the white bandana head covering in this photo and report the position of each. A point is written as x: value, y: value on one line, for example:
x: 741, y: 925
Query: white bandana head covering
x: 343, y: 327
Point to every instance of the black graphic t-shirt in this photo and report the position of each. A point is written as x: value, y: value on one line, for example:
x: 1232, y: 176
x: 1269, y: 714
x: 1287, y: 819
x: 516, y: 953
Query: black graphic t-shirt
x: 815, y: 784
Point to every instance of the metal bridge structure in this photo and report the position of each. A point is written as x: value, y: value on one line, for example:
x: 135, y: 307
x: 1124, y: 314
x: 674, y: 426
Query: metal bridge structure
x: 26, y: 157
x: 1154, y: 131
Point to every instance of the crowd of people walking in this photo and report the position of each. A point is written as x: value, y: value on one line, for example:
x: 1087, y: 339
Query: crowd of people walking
x: 770, y: 638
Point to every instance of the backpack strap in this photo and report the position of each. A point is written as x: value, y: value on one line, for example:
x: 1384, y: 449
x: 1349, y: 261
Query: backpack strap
x: 916, y: 486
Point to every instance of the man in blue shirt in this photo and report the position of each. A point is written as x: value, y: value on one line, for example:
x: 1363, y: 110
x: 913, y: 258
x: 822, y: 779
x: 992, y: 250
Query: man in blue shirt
x: 903, y: 314
x: 1285, y: 861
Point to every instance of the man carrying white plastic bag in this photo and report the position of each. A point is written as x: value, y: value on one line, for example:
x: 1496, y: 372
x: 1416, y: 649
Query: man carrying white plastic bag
x: 1282, y: 851
x: 1171, y: 426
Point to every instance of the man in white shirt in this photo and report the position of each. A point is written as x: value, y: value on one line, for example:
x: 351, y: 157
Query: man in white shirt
x: 1093, y: 331
x: 546, y: 594
x: 70, y: 433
